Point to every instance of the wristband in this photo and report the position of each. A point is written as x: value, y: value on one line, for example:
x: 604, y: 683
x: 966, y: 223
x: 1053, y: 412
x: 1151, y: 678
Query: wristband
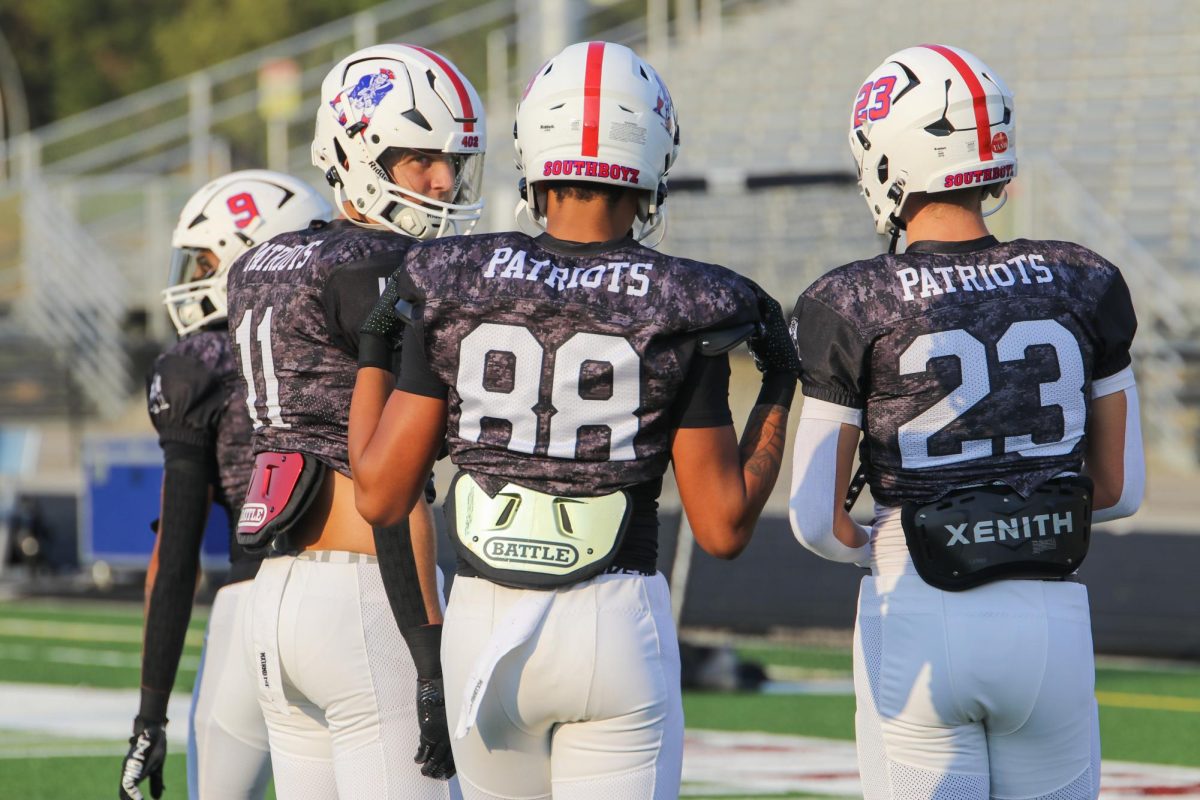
x: 425, y: 645
x: 153, y: 710
x: 778, y: 389
x: 375, y: 351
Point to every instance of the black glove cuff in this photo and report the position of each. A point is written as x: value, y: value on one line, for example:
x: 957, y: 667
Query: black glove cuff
x: 425, y: 645
x: 141, y: 721
x: 778, y: 389
x: 374, y: 351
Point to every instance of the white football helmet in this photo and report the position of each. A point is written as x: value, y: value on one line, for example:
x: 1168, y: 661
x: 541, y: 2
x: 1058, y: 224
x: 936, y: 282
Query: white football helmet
x: 400, y: 96
x: 597, y: 112
x: 930, y: 119
x: 229, y: 216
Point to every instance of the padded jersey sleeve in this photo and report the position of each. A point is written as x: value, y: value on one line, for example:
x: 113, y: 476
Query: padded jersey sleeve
x: 351, y: 292
x: 185, y: 400
x: 1116, y: 324
x: 833, y: 354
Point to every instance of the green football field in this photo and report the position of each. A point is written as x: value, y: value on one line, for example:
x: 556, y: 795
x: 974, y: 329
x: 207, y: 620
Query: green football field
x: 1150, y: 712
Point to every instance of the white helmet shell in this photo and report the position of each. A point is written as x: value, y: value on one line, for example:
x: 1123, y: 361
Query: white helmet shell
x: 930, y: 119
x: 400, y: 96
x: 229, y: 216
x: 597, y: 112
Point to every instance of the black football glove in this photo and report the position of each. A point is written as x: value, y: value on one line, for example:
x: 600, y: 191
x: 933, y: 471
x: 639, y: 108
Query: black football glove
x: 381, y: 334
x: 147, y: 752
x: 433, y: 753
x: 772, y: 345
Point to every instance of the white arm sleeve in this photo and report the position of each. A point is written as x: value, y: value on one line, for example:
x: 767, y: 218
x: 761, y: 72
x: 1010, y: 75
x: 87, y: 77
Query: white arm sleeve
x: 1133, y: 485
x: 814, y: 473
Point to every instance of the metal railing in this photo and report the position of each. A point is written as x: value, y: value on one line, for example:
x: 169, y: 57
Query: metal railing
x: 1054, y: 205
x: 75, y: 300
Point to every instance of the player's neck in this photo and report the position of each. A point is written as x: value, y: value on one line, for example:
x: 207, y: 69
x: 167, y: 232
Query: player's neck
x: 945, y: 222
x: 585, y: 221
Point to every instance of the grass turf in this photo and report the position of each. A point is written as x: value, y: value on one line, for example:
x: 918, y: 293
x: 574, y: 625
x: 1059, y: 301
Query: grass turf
x: 98, y: 645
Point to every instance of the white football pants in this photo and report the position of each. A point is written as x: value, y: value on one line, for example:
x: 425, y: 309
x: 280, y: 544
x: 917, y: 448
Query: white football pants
x: 336, y: 682
x: 986, y: 693
x: 228, y: 757
x: 588, y: 707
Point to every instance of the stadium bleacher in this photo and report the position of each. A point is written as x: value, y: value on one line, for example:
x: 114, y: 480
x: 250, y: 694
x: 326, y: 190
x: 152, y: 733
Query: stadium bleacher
x: 1106, y: 100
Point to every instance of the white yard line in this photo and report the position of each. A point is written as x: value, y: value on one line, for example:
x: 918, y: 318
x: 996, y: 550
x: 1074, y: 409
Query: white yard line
x: 81, y: 712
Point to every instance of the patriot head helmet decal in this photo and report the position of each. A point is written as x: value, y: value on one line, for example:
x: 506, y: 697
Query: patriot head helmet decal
x: 364, y: 98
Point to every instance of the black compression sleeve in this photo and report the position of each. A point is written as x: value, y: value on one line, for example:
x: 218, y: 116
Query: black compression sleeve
x: 416, y: 375
x: 703, y: 399
x: 185, y: 509
x: 398, y: 569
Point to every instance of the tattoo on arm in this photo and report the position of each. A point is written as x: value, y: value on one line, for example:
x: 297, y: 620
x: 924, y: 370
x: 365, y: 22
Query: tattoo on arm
x: 762, y: 443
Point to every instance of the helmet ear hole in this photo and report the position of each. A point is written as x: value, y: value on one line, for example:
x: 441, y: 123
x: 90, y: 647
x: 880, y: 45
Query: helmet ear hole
x: 882, y: 169
x: 340, y: 154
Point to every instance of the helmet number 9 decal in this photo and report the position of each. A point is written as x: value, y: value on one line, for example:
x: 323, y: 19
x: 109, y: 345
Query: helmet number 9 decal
x: 243, y: 209
x: 1064, y: 393
x: 595, y: 383
x: 874, y: 100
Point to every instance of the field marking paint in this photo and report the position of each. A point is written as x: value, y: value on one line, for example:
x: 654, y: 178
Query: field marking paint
x: 90, y: 658
x: 723, y: 763
x: 714, y: 762
x: 1149, y: 702
x: 81, y: 712
x: 845, y: 686
x: 83, y: 631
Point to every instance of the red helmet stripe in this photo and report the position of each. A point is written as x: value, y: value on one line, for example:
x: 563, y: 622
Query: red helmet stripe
x: 591, y: 98
x: 983, y: 128
x: 464, y: 97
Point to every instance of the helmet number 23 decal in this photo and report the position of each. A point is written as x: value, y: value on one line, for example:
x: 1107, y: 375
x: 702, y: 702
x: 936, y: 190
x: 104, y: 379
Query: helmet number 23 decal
x: 501, y: 379
x: 874, y: 100
x: 243, y: 209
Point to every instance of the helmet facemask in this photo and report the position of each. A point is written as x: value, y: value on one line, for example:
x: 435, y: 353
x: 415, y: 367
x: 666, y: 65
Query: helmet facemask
x: 220, y: 222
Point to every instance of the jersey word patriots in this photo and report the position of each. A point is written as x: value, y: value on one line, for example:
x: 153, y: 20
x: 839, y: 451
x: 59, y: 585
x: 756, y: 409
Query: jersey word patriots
x: 973, y: 361
x: 564, y: 362
x: 295, y: 306
x: 195, y: 398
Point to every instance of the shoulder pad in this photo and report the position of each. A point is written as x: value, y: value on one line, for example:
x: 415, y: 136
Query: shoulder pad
x: 722, y: 340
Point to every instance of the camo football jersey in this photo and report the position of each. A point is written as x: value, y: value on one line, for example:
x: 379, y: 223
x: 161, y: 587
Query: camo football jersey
x: 972, y: 361
x: 295, y: 306
x: 564, y: 362
x: 195, y: 398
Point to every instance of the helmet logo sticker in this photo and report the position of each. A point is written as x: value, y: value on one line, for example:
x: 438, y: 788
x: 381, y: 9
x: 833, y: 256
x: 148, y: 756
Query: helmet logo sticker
x: 999, y: 142
x: 663, y: 107
x: 364, y: 98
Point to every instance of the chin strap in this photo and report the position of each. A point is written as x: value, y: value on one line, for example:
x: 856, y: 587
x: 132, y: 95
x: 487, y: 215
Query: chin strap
x: 1000, y: 205
x: 897, y: 226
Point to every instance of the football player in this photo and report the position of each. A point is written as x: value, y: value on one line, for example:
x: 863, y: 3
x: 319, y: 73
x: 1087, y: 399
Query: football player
x: 992, y: 387
x: 565, y: 371
x: 200, y: 414
x: 400, y: 138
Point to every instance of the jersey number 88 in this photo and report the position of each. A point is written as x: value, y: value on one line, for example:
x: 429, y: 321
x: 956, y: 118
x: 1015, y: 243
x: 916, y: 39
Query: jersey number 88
x: 570, y: 409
